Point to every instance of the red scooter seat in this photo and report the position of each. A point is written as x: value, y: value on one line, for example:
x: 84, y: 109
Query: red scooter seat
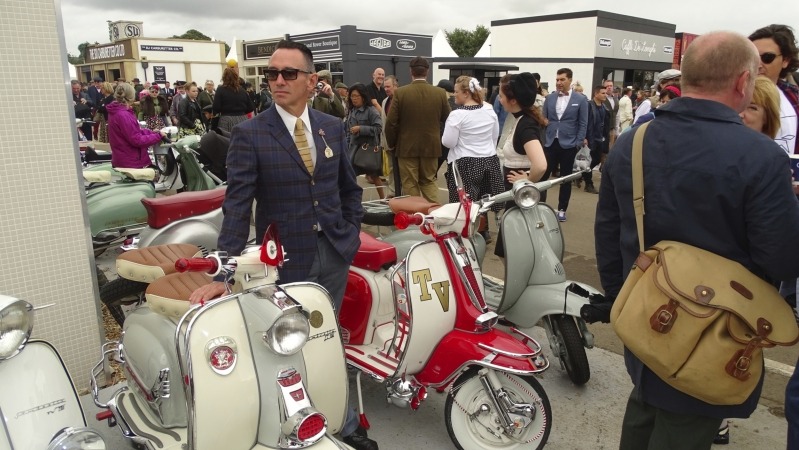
x: 162, y: 211
x: 374, y: 254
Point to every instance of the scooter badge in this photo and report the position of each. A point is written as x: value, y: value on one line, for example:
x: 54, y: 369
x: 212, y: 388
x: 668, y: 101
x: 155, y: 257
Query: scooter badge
x: 316, y: 319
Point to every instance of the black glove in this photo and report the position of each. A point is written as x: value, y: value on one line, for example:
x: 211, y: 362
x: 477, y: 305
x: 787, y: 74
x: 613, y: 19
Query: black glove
x: 598, y: 310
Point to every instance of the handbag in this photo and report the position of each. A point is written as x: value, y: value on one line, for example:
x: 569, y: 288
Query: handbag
x: 368, y: 158
x: 697, y: 320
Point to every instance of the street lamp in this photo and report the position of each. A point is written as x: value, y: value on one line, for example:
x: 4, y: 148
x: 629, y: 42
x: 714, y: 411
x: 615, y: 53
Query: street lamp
x: 144, y: 65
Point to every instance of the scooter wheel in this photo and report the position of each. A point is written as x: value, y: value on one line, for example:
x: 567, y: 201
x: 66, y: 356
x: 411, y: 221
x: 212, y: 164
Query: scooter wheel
x: 121, y: 291
x: 472, y: 427
x: 572, y: 351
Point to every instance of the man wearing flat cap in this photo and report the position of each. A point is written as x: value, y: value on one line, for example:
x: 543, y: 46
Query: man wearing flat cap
x: 412, y: 130
x: 567, y: 113
x: 324, y: 98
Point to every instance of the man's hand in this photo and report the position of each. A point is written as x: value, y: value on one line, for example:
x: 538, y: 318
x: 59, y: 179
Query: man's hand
x: 207, y: 292
x: 326, y: 91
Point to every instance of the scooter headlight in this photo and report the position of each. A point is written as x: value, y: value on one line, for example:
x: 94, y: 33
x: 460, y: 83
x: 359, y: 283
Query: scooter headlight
x: 288, y: 334
x: 16, y: 324
x: 77, y: 439
x: 526, y: 196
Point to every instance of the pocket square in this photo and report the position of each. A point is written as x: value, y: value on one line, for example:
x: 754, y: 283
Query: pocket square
x: 575, y: 104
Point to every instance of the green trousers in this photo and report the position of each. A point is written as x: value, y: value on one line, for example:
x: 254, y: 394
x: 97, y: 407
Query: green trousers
x: 646, y: 427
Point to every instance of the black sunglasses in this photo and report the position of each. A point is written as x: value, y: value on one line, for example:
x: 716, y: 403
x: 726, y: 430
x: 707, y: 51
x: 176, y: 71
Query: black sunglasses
x: 768, y: 57
x: 288, y: 74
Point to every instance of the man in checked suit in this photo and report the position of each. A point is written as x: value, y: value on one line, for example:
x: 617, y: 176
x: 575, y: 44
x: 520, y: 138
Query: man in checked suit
x: 310, y: 193
x: 413, y: 131
x: 567, y: 113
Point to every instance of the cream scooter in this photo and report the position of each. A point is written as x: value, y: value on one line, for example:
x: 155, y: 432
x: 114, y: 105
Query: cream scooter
x: 39, y: 405
x: 262, y: 368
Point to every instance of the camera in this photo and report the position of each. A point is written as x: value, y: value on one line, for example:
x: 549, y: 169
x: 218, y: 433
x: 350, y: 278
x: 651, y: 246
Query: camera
x: 320, y: 86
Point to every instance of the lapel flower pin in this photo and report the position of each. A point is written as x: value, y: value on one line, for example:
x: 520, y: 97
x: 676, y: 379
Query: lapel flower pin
x: 328, y: 150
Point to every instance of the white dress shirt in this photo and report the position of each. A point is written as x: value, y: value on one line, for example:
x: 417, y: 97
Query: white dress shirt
x: 290, y: 121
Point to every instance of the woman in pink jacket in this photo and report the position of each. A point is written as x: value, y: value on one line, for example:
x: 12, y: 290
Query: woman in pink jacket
x: 129, y: 142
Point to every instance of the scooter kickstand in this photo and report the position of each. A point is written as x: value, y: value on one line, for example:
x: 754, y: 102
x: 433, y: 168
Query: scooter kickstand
x: 362, y: 416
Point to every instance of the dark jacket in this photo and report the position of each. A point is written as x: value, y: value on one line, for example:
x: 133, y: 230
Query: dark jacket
x: 205, y: 99
x: 413, y: 125
x: 598, y: 123
x: 228, y: 102
x: 710, y: 182
x: 188, y: 113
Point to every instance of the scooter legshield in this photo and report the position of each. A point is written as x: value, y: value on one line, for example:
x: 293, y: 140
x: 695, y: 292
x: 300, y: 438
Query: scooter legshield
x: 37, y: 398
x: 117, y: 205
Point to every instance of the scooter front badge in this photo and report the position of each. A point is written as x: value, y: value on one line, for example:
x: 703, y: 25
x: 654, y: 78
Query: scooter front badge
x: 221, y: 353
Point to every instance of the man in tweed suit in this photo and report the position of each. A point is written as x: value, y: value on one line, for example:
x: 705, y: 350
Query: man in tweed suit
x: 413, y: 131
x: 315, y: 201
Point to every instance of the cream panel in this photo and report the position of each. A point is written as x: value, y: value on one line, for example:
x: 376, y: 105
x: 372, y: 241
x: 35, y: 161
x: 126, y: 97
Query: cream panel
x: 573, y: 38
x: 44, y: 233
x: 202, y: 51
x: 583, y: 73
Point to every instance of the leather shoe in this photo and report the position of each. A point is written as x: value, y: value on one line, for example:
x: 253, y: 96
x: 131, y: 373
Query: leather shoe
x: 359, y: 441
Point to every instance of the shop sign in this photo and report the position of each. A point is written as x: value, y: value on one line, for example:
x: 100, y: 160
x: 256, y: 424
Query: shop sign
x: 124, y: 29
x: 259, y: 50
x: 636, y: 46
x: 321, y: 44
x: 604, y: 42
x: 668, y: 49
x: 406, y: 44
x: 161, y: 48
x: 113, y: 51
x: 622, y: 44
x: 159, y: 73
x: 379, y: 43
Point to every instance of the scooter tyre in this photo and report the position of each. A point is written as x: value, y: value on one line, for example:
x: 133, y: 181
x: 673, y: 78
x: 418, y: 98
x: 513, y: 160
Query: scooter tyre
x: 468, y: 393
x: 121, y: 291
x: 572, y: 350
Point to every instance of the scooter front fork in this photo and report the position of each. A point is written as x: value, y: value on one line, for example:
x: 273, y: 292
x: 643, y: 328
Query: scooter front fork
x: 512, y: 416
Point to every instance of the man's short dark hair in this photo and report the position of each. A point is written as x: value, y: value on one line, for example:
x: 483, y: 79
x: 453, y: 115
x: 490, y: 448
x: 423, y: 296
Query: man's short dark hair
x: 627, y: 91
x: 783, y: 36
x: 293, y: 45
x: 567, y: 71
x: 419, y: 66
x: 597, y: 89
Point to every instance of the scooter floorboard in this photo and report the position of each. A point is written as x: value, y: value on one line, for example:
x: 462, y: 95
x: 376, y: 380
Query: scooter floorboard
x: 372, y: 358
x: 143, y: 423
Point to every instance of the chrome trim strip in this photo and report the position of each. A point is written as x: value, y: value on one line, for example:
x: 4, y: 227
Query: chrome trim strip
x: 529, y: 338
x: 497, y: 351
x: 463, y: 367
x: 462, y: 259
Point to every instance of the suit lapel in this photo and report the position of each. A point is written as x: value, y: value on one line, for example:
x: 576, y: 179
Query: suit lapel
x: 284, y: 138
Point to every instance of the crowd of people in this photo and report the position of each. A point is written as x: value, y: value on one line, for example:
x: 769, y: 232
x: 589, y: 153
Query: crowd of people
x: 733, y: 105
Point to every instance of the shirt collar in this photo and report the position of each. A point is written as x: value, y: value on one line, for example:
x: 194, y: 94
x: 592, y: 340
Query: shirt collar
x: 566, y: 94
x: 290, y: 120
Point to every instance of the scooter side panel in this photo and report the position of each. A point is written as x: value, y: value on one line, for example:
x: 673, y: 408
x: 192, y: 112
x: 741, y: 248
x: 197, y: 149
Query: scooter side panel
x: 117, y: 205
x: 202, y: 231
x: 325, y: 364
x: 228, y: 403
x: 519, y: 256
x: 37, y: 398
x: 149, y: 346
x: 544, y: 300
x: 433, y: 304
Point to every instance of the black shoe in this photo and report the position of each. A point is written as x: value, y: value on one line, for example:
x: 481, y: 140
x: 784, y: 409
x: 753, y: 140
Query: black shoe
x: 578, y: 183
x: 590, y: 189
x: 359, y: 441
x: 723, y: 438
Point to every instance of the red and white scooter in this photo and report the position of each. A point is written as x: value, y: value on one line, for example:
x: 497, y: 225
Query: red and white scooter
x: 422, y: 323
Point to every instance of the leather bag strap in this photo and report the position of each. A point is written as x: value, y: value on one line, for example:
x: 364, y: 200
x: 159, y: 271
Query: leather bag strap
x: 638, y: 181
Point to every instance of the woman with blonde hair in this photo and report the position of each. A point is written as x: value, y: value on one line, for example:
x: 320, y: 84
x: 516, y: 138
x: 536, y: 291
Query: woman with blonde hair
x: 129, y: 142
x: 231, y: 102
x: 107, y: 89
x: 763, y: 113
x: 471, y: 134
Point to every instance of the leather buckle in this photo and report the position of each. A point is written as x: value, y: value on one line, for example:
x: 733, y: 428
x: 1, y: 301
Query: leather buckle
x: 664, y: 317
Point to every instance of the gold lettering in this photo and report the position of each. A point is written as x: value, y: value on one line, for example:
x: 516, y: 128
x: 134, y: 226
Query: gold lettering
x: 422, y: 277
x: 442, y: 291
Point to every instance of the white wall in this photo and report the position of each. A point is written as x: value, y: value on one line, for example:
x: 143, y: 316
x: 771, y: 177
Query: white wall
x: 583, y: 73
x: 45, y: 248
x: 572, y: 38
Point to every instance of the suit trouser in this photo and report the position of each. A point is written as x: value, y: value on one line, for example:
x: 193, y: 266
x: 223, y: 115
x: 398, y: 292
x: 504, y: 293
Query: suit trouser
x: 646, y: 427
x: 558, y: 156
x: 418, y: 177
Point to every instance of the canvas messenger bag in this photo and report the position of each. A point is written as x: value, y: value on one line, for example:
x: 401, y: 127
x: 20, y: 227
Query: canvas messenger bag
x: 697, y: 320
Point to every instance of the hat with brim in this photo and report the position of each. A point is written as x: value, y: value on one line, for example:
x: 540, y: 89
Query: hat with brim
x: 341, y: 85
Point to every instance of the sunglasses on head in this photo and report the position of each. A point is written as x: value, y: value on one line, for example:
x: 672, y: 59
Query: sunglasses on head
x: 287, y: 74
x: 768, y: 57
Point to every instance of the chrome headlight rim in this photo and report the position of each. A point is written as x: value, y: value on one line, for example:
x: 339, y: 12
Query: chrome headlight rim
x: 289, y: 333
x: 526, y: 195
x: 9, y: 306
x: 70, y: 439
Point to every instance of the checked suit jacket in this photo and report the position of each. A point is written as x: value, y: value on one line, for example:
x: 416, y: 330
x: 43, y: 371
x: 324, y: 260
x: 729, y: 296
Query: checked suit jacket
x: 263, y: 164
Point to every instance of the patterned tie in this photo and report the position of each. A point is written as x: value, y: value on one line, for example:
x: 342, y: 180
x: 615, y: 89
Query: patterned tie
x: 302, y: 145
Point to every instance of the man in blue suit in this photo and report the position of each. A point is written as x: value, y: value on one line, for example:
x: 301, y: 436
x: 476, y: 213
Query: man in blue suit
x: 567, y: 113
x: 292, y: 160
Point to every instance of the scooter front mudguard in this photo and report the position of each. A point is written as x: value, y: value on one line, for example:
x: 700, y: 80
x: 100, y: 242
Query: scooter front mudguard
x: 202, y: 231
x: 37, y: 398
x: 539, y: 301
x: 494, y: 349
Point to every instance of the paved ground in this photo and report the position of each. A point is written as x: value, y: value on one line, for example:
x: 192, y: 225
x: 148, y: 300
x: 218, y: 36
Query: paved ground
x: 584, y: 418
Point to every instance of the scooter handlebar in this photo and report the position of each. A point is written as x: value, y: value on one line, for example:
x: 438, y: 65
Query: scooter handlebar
x: 403, y: 220
x: 206, y: 265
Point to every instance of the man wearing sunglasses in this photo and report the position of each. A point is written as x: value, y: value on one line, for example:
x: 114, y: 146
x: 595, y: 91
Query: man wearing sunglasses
x: 292, y: 159
x: 778, y: 59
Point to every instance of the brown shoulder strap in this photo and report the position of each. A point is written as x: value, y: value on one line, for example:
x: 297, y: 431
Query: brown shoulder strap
x: 638, y: 181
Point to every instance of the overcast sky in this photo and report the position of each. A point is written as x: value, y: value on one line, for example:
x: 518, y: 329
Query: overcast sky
x: 85, y: 20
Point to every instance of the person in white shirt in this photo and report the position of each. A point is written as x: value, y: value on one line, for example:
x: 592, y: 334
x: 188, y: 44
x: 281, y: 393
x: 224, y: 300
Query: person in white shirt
x: 625, y: 110
x: 471, y: 133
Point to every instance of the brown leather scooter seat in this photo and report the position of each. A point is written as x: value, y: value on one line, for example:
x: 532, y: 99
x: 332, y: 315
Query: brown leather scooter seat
x: 151, y: 263
x: 412, y: 204
x: 169, y: 295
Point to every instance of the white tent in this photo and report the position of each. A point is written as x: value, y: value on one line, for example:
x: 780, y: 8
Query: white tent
x: 233, y: 53
x: 441, y: 48
x: 485, y: 50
